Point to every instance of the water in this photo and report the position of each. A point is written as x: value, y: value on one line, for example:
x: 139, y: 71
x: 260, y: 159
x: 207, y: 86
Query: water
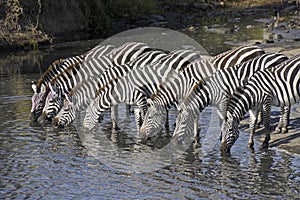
x: 40, y: 162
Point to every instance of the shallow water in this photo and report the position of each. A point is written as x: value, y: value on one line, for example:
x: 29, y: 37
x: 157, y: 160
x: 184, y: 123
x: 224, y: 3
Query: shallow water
x: 41, y: 162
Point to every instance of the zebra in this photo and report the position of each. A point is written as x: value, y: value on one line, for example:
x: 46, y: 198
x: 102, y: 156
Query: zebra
x: 178, y: 87
x: 277, y: 86
x: 138, y: 85
x: 41, y: 89
x: 81, y: 71
x: 81, y: 95
x: 216, y: 91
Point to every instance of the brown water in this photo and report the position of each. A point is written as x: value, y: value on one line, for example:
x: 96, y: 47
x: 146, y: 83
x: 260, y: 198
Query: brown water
x: 40, y: 162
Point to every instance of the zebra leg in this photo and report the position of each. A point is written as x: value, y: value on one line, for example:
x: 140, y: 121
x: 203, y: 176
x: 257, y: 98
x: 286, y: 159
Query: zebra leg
x: 266, y: 115
x: 253, y: 121
x: 167, y: 127
x: 286, y: 119
x: 197, y: 129
x: 259, y: 119
x: 114, y: 117
x: 283, y: 120
x: 221, y: 119
x: 137, y: 114
x: 140, y: 113
x: 128, y: 111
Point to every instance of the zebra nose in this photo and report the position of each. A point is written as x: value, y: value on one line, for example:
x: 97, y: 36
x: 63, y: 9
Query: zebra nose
x: 55, y: 121
x: 224, y: 148
x: 142, y: 132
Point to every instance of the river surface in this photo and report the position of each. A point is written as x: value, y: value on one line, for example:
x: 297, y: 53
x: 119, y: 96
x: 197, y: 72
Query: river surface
x: 41, y: 162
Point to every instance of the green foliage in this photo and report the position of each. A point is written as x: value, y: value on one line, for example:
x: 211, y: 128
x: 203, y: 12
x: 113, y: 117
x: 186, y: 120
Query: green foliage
x: 13, y: 12
x: 15, y: 34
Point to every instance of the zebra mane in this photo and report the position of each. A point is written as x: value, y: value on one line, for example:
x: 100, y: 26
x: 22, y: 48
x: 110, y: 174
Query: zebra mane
x: 47, y: 73
x: 68, y: 69
x: 227, y: 52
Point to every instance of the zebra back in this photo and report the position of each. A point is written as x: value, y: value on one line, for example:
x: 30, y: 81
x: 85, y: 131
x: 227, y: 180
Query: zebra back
x: 237, y: 55
x: 224, y: 82
x: 118, y: 71
x: 182, y: 83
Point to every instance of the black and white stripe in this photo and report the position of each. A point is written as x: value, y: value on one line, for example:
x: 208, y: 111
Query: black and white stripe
x: 277, y: 86
x: 41, y: 89
x: 179, y: 86
x: 217, y: 89
x: 82, y: 94
x: 73, y: 76
x: 138, y: 85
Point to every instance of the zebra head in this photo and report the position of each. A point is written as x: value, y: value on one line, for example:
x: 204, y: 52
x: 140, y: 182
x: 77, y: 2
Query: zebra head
x: 229, y: 132
x: 53, y: 102
x: 92, y: 115
x: 67, y: 114
x: 184, y: 121
x: 37, y: 101
x: 155, y: 117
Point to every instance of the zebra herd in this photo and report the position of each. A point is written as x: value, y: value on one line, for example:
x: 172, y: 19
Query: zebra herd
x: 237, y: 81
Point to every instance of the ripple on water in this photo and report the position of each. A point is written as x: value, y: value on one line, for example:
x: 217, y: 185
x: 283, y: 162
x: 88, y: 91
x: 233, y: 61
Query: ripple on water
x: 40, y: 161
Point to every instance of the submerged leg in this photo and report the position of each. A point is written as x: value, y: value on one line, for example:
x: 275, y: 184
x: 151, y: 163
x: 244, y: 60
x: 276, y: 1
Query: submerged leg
x: 253, y: 121
x: 259, y: 118
x: 266, y: 115
x: 221, y: 120
x: 167, y: 127
x: 137, y: 116
x: 197, y: 129
x: 114, y: 116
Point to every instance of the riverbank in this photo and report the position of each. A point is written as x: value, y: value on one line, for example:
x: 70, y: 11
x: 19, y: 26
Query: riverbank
x: 290, y: 141
x: 81, y: 20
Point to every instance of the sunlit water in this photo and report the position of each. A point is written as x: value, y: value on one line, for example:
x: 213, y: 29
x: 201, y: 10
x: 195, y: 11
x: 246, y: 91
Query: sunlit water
x: 41, y: 162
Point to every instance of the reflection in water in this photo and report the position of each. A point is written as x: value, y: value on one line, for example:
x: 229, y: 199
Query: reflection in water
x: 39, y: 161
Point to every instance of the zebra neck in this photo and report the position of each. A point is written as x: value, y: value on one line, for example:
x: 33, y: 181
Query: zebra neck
x: 198, y: 100
x: 251, y: 97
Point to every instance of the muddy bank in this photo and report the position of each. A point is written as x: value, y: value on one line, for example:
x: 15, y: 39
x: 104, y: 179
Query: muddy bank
x: 289, y: 142
x: 80, y: 20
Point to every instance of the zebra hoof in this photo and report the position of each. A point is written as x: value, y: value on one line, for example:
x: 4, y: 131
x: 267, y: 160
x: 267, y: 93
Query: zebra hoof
x: 265, y: 145
x: 284, y: 130
x: 277, y: 131
x: 197, y: 144
x: 251, y: 147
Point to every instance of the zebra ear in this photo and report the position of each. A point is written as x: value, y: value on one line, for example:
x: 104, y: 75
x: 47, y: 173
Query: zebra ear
x: 34, y: 88
x: 43, y: 88
x: 149, y: 102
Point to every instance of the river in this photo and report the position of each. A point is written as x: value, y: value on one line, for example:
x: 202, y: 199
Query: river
x: 41, y: 162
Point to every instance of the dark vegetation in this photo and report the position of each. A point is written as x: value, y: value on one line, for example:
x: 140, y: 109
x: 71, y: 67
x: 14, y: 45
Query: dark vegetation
x: 29, y: 24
